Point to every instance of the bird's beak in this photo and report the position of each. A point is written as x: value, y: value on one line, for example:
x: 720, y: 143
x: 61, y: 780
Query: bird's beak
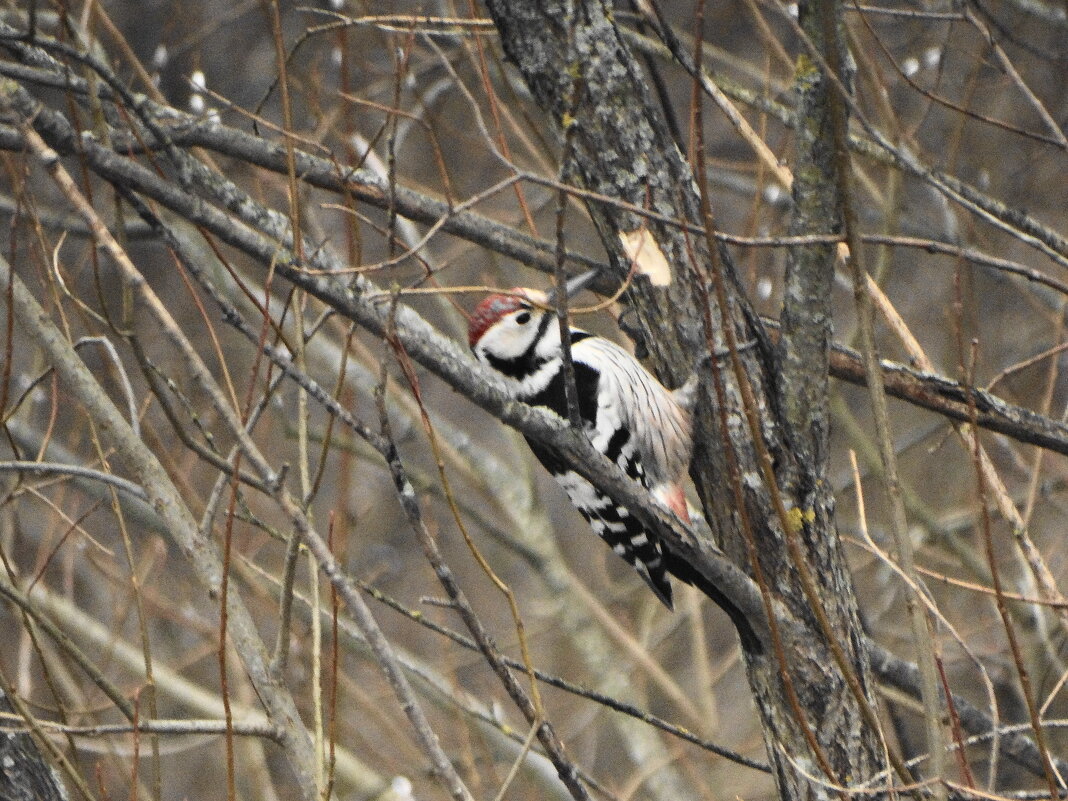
x: 574, y: 285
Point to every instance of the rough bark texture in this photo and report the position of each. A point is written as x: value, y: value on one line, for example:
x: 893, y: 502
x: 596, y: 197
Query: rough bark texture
x: 806, y: 314
x: 622, y: 149
x: 25, y: 774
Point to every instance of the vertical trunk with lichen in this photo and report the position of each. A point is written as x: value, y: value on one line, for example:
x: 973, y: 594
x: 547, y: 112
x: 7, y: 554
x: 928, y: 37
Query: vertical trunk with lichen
x: 580, y: 72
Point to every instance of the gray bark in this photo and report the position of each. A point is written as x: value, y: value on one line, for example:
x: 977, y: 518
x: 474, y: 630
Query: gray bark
x: 622, y: 149
x: 624, y: 152
x: 25, y: 775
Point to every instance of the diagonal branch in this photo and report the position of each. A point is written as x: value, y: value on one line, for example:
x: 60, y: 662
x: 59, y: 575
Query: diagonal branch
x: 368, y: 307
x: 930, y: 391
x: 168, y: 503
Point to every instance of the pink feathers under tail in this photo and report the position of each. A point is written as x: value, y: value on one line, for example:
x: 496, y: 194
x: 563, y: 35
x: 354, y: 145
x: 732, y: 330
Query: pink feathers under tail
x: 674, y: 498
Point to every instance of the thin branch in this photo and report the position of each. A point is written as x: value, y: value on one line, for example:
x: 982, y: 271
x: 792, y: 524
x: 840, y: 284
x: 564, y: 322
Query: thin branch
x: 362, y: 305
x: 181, y: 728
x: 54, y: 468
x: 168, y: 503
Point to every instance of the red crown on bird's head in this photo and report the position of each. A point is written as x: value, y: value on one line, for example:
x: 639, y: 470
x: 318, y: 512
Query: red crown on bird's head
x: 497, y: 306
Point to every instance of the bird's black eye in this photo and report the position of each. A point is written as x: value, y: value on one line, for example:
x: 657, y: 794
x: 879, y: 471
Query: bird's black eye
x: 523, y: 318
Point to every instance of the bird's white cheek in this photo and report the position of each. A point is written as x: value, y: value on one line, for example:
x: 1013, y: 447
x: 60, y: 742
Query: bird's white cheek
x: 506, y: 344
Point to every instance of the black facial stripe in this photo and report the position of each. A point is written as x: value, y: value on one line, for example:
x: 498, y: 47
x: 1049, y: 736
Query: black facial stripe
x: 518, y: 367
x: 543, y: 326
x: 524, y: 364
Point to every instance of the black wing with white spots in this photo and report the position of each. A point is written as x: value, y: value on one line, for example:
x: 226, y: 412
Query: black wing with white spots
x: 613, y: 523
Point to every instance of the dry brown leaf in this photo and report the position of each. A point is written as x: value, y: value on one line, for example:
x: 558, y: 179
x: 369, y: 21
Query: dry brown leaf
x: 645, y: 254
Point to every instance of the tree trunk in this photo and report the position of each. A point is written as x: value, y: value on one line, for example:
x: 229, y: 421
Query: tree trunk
x: 25, y: 774
x: 580, y: 70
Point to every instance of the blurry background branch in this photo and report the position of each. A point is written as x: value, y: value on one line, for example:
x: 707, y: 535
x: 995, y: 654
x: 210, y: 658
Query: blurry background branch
x: 417, y: 161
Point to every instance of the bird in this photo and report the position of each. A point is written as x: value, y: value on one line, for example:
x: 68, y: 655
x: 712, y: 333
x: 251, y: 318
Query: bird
x: 627, y: 414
